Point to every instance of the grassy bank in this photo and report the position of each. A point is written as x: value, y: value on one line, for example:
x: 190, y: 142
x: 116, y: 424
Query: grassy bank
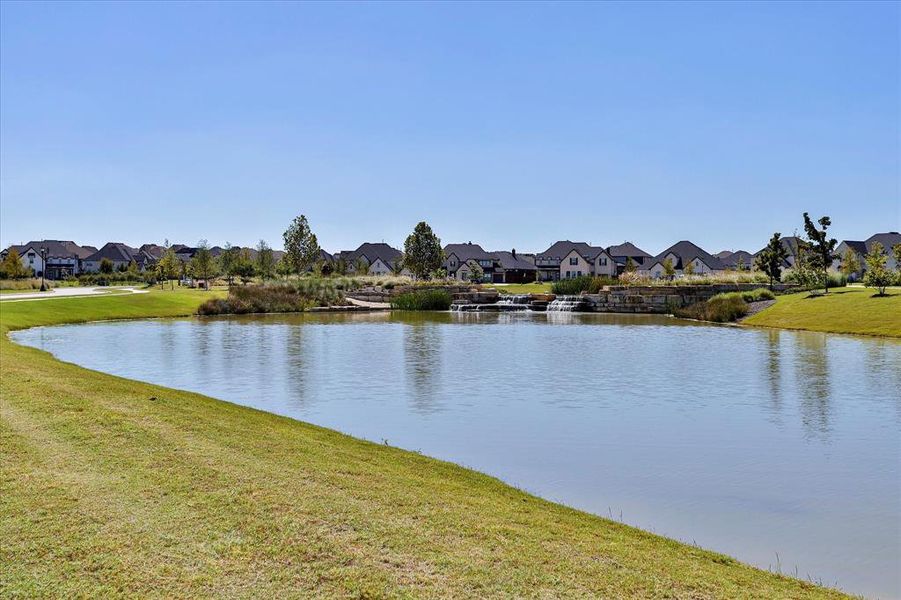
x: 845, y: 310
x: 521, y: 288
x: 112, y: 487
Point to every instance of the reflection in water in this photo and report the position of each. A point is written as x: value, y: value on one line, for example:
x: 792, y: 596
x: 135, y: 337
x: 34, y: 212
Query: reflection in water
x: 748, y: 442
x: 423, y: 354
x: 812, y: 366
x: 774, y: 372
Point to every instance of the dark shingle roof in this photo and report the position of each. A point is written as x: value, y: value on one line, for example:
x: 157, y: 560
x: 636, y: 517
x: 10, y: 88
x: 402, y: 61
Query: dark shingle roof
x: 888, y: 240
x: 560, y: 249
x: 55, y: 248
x: 731, y: 259
x: 372, y: 252
x: 627, y: 249
x: 686, y: 252
x: 117, y: 251
x: 468, y: 251
x: 508, y: 261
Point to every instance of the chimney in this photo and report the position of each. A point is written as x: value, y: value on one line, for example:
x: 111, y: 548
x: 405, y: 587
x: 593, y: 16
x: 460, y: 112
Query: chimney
x: 513, y: 252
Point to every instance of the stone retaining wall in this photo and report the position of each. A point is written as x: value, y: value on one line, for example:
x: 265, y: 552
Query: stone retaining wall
x: 660, y: 299
x: 460, y: 293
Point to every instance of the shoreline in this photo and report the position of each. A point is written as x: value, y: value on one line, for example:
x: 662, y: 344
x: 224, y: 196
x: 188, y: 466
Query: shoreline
x: 682, y: 550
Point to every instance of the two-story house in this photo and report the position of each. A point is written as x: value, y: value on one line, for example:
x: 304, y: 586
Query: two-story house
x: 459, y: 257
x: 680, y: 255
x: 64, y: 258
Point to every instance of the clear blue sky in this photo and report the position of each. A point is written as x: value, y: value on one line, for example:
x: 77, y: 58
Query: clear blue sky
x: 512, y: 125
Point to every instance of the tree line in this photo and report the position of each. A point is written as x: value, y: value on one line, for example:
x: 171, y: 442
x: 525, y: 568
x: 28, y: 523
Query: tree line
x: 815, y: 253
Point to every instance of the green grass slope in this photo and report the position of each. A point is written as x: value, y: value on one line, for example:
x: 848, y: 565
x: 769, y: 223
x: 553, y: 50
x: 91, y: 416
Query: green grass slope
x: 844, y: 310
x: 111, y: 487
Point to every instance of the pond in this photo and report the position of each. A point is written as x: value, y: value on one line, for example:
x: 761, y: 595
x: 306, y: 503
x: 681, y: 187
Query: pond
x: 779, y: 448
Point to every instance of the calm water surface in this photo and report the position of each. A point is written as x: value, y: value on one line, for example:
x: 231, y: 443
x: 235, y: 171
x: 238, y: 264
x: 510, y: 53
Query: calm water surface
x: 754, y: 443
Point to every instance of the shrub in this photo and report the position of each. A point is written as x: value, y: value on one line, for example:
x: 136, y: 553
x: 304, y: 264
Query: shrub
x: 750, y: 295
x: 808, y: 279
x: 727, y: 277
x: 24, y: 284
x: 295, y: 296
x: 422, y: 300
x: 576, y: 285
x: 722, y: 308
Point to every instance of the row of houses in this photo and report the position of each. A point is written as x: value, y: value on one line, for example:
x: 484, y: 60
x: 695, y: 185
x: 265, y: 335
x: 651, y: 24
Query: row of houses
x: 65, y: 258
x: 562, y: 260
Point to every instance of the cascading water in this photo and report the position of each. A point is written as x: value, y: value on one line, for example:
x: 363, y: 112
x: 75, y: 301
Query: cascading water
x: 566, y: 304
x: 504, y: 304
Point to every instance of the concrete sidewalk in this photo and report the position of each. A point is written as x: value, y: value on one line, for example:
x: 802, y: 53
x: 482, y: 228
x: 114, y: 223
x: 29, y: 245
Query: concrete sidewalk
x: 68, y: 292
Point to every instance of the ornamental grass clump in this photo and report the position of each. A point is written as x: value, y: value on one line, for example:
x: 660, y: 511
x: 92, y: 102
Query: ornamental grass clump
x: 295, y: 296
x: 584, y: 283
x: 722, y: 308
x: 422, y: 300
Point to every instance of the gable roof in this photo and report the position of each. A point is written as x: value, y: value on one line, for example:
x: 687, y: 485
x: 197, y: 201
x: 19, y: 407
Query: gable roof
x: 627, y: 249
x: 467, y: 251
x: 590, y: 255
x: 55, y: 248
x: 372, y: 251
x: 686, y: 252
x: 119, y: 252
x: 888, y: 240
x: 731, y: 259
x: 154, y: 250
x: 857, y: 246
x: 560, y: 249
x: 509, y: 261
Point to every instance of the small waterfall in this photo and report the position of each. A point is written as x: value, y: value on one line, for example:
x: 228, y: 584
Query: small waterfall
x: 464, y: 307
x: 566, y: 304
x: 515, y: 299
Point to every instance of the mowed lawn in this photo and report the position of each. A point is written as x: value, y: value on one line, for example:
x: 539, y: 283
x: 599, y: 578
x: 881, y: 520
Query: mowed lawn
x: 521, y: 288
x: 111, y: 487
x: 843, y: 310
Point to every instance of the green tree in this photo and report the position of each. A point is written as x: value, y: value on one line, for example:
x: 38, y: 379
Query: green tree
x: 806, y: 270
x: 668, y: 269
x: 301, y: 246
x: 227, y: 261
x: 689, y: 268
x: 850, y: 263
x: 896, y: 251
x: 740, y: 264
x: 422, y: 251
x: 169, y: 266
x: 822, y: 247
x: 397, y: 266
x: 877, y: 274
x: 132, y: 270
x: 361, y: 266
x: 244, y: 267
x: 12, y: 267
x: 202, y: 264
x: 771, y: 259
x: 340, y: 266
x: 283, y: 267
x: 630, y: 267
x: 265, y: 260
x: 106, y: 266
x: 476, y: 272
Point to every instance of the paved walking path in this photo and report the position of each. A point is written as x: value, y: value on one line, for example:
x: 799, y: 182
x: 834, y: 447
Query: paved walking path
x: 367, y: 304
x: 68, y: 292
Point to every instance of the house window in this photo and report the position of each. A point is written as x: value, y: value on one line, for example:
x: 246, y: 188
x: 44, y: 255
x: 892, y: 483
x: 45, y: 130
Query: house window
x: 603, y: 262
x: 453, y: 263
x: 574, y: 260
